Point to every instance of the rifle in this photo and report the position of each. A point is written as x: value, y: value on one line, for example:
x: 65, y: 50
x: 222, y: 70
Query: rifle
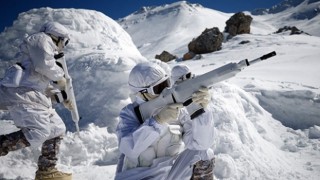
x: 70, y: 93
x: 182, y: 92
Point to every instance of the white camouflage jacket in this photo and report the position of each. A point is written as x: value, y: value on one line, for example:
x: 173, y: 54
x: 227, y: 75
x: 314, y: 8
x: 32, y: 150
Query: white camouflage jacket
x: 150, y: 143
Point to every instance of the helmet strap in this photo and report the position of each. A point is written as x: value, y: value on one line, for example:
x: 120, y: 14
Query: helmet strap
x: 143, y: 96
x: 57, y: 41
x: 54, y: 39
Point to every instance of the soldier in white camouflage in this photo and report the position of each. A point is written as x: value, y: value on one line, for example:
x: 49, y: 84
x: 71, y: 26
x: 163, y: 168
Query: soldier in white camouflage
x: 169, y: 145
x: 203, y: 169
x: 29, y: 102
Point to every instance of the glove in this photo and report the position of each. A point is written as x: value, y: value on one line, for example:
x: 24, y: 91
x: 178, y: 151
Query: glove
x: 50, y: 93
x: 202, y: 97
x: 58, y: 56
x: 61, y: 83
x: 168, y: 113
x: 68, y: 104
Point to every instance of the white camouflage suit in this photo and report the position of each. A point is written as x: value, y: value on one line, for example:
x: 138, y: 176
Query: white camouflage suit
x: 29, y: 107
x: 162, y: 151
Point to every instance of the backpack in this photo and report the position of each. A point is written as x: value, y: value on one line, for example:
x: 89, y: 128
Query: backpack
x: 13, y: 75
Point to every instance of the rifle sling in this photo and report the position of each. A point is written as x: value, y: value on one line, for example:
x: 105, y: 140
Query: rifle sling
x: 138, y: 114
x: 197, y: 113
x: 187, y: 102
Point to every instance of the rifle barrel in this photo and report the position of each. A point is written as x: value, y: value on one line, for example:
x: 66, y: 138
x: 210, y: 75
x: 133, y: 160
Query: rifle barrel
x: 264, y: 57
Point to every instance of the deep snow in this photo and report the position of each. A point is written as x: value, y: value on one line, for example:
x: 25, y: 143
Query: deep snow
x: 267, y: 118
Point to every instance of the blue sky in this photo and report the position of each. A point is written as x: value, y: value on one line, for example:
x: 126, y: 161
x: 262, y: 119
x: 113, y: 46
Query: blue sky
x: 115, y: 9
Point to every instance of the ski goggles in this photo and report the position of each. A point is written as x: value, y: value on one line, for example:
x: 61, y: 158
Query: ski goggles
x: 186, y: 76
x: 158, y: 87
x: 64, y: 41
x: 60, y: 40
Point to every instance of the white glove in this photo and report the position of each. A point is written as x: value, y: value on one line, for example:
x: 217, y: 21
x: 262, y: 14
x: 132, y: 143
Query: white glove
x: 50, y: 91
x: 202, y: 97
x: 68, y: 104
x: 168, y: 113
x: 62, y: 83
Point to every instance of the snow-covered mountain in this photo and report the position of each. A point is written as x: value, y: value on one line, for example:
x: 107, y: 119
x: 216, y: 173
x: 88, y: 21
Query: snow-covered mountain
x: 267, y: 118
x: 183, y: 21
x: 305, y: 15
x: 305, y: 9
x: 286, y: 4
x: 153, y: 28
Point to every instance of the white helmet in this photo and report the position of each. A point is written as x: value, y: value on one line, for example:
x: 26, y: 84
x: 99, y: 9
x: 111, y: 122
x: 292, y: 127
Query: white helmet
x: 57, y: 32
x: 55, y: 29
x: 181, y: 72
x: 148, y: 78
x: 165, y: 66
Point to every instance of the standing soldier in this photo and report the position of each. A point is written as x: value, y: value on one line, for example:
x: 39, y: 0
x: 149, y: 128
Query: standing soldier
x: 24, y: 92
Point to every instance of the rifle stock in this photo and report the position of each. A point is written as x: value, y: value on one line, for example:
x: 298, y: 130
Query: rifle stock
x: 182, y: 93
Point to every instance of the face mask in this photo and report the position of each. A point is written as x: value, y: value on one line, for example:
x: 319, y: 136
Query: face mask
x: 60, y: 42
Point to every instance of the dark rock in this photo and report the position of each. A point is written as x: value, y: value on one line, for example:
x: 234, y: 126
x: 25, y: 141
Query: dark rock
x: 293, y: 29
x: 209, y: 41
x: 191, y: 55
x: 239, y: 23
x: 244, y: 42
x: 165, y: 56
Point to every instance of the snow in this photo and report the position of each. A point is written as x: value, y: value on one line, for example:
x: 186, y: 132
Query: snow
x: 267, y: 117
x: 169, y: 27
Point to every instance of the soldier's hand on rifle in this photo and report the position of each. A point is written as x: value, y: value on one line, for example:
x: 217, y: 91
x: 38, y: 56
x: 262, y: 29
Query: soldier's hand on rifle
x: 61, y: 83
x: 202, y: 97
x: 68, y: 104
x: 56, y: 95
x: 168, y: 113
x: 50, y: 92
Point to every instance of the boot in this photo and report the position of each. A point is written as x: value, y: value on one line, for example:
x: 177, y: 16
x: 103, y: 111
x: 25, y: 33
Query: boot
x: 12, y: 142
x: 203, y: 170
x: 48, y: 160
x: 52, y: 174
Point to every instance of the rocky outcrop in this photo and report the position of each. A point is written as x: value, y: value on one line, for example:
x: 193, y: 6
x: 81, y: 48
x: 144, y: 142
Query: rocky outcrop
x: 191, y: 55
x: 209, y: 41
x: 239, y: 23
x: 293, y: 30
x: 165, y: 56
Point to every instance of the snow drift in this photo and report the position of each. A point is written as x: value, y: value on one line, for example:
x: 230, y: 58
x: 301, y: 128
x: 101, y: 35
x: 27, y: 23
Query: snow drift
x: 250, y: 109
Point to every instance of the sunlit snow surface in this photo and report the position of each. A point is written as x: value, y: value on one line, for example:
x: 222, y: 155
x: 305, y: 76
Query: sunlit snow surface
x: 267, y: 118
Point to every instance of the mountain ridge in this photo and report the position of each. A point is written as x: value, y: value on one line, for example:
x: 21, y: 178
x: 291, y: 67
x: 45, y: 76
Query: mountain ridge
x: 138, y: 25
x: 285, y: 4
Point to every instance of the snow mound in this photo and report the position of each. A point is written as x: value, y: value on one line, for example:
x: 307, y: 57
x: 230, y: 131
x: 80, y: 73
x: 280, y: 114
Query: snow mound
x: 246, y: 136
x: 304, y: 115
x: 249, y: 144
